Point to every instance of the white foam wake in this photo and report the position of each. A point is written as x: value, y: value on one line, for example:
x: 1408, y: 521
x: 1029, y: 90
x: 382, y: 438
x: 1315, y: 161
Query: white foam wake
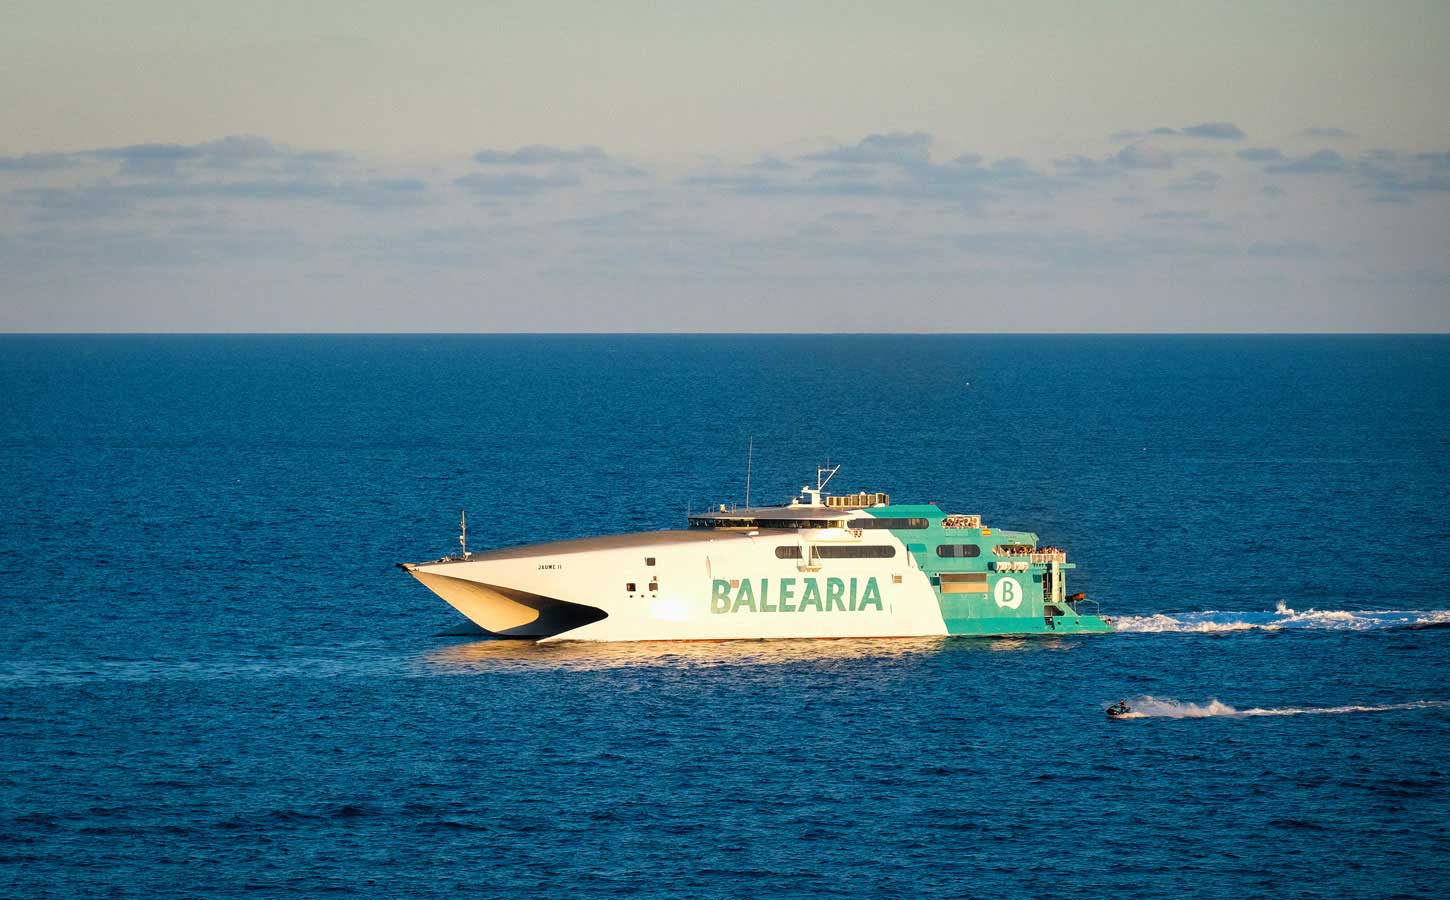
x: 1283, y: 617
x: 1155, y: 708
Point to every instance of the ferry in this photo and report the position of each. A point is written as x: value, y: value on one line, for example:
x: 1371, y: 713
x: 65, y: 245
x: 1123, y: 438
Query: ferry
x: 821, y: 566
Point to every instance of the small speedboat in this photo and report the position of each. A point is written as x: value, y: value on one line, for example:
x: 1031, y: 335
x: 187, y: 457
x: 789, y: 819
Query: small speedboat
x: 1118, y: 710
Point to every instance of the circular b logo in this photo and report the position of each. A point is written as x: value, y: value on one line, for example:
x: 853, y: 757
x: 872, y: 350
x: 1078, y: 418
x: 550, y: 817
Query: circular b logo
x: 1008, y: 593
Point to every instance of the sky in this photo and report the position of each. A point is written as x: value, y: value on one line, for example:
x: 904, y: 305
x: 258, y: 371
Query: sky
x: 543, y: 166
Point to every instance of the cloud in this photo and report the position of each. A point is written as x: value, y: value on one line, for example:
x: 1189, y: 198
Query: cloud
x: 36, y: 162
x: 514, y: 184
x: 1212, y: 130
x: 1260, y: 154
x: 897, y: 148
x: 106, y: 199
x: 60, y: 204
x: 1202, y: 180
x: 1401, y: 181
x: 843, y: 172
x: 1285, y: 250
x: 849, y: 216
x: 1314, y: 163
x: 159, y: 160
x: 1086, y: 167
x: 1326, y: 132
x: 1215, y: 130
x: 587, y: 158
x: 966, y: 182
x: 1144, y: 156
x: 235, y: 151
x: 1178, y: 215
x: 149, y: 159
x: 375, y: 193
x: 540, y: 154
x: 1198, y: 219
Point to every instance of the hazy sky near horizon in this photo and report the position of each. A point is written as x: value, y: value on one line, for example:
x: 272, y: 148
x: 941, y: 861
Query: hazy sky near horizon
x: 911, y: 166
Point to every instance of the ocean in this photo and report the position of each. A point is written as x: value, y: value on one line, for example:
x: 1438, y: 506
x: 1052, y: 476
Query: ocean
x: 215, y: 683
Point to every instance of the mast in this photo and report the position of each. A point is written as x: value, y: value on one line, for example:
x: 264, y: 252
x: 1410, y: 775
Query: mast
x: 463, y: 532
x: 823, y: 476
x: 829, y: 471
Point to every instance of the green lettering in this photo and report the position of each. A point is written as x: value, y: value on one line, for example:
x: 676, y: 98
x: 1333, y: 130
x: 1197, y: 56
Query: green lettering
x: 765, y: 604
x: 872, y: 595
x: 835, y: 590
x: 746, y: 597
x: 853, y: 595
x: 811, y: 595
x: 787, y: 594
x: 720, y: 596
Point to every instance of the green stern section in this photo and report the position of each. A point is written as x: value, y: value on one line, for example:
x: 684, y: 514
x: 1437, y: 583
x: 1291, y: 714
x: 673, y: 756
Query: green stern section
x: 990, y: 581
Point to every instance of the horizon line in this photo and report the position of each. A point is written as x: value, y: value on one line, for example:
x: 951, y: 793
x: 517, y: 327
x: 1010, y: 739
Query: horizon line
x: 43, y: 334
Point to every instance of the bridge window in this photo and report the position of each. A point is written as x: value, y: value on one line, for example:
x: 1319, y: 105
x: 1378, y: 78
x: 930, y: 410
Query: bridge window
x: 896, y: 524
x: 798, y: 523
x: 867, y: 551
x: 958, y: 551
x: 787, y: 552
x: 792, y: 524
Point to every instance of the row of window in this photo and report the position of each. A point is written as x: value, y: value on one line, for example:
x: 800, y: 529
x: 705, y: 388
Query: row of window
x: 958, y: 551
x: 860, y: 551
x: 945, y: 551
x: 897, y: 524
x: 793, y: 524
x: 735, y: 522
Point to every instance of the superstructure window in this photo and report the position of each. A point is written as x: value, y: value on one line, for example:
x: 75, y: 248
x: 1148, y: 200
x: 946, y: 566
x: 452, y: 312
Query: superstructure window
x: 649, y: 560
x: 867, y: 551
x: 896, y: 524
x: 787, y: 553
x: 798, y: 523
x: 963, y: 582
x: 958, y: 551
x: 792, y: 524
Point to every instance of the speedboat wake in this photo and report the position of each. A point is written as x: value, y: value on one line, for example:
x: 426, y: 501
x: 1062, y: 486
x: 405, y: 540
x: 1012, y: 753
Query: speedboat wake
x: 1156, y: 708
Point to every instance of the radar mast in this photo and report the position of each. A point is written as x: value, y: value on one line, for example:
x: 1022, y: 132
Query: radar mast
x: 824, y: 474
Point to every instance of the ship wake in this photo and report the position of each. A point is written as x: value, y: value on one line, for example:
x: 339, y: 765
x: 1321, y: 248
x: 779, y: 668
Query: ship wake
x: 1156, y: 708
x: 1284, y: 618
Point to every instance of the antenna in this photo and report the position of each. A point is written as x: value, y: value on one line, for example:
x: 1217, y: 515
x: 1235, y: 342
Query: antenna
x: 828, y: 471
x: 823, y: 477
x: 463, y: 531
x: 749, y: 459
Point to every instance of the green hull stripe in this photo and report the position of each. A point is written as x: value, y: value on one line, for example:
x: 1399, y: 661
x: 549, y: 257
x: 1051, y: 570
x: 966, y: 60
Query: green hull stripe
x: 977, y: 610
x: 1006, y: 625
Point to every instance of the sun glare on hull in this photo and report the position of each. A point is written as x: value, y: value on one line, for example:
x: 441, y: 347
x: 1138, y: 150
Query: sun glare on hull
x: 507, y: 611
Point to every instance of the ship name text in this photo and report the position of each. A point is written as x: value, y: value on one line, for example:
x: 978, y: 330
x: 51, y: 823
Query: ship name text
x: 795, y: 595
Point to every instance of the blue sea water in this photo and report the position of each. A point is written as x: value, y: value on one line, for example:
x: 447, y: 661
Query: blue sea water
x: 213, y: 682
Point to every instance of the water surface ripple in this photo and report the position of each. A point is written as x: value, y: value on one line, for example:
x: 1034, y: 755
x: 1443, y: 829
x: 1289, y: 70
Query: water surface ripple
x: 214, y: 683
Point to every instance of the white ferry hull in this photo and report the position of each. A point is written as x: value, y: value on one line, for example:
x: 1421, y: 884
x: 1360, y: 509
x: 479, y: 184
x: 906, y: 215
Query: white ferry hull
x: 604, y: 589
